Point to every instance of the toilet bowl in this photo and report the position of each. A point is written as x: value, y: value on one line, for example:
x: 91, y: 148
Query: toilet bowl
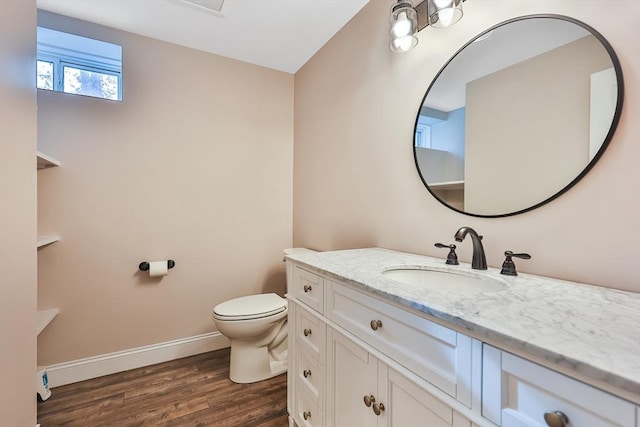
x: 256, y: 325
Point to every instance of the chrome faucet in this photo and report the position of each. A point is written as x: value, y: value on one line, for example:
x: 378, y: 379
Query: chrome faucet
x: 478, y: 261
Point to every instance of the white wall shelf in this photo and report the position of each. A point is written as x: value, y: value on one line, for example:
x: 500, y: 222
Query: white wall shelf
x: 44, y: 318
x: 47, y: 240
x: 45, y: 161
x: 448, y: 185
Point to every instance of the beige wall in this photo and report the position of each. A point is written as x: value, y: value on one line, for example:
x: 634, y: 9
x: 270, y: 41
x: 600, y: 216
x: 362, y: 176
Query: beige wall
x: 17, y: 213
x: 542, y: 128
x: 355, y: 182
x: 195, y: 165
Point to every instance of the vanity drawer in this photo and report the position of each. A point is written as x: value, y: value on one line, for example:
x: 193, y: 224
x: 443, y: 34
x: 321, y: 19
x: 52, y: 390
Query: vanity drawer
x: 436, y: 353
x: 311, y: 334
x: 309, y: 374
x: 308, y: 412
x: 309, y: 288
x: 517, y: 393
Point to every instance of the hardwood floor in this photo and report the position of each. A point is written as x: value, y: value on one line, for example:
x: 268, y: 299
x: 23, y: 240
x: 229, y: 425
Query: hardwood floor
x: 194, y: 391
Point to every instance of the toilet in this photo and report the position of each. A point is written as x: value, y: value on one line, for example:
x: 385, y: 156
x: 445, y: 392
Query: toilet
x: 256, y: 325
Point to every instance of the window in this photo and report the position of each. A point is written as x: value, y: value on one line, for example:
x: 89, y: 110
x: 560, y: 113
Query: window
x: 88, y: 81
x: 423, y: 136
x: 78, y: 65
x: 44, y: 75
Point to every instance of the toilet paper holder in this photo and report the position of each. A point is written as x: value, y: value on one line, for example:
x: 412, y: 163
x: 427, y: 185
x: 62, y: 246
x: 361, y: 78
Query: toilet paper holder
x: 144, y: 266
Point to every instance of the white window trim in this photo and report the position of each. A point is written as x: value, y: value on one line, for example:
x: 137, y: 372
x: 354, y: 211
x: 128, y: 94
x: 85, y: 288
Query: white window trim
x: 423, y: 130
x: 102, y: 58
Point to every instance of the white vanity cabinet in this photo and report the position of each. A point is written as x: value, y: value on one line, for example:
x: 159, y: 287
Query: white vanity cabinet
x: 517, y: 393
x: 357, y: 358
x: 331, y: 371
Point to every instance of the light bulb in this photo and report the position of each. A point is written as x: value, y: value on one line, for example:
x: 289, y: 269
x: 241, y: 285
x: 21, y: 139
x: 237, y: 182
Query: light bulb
x: 445, y: 17
x: 443, y: 4
x: 404, y: 22
x: 403, y: 44
x: 445, y: 12
x: 402, y: 26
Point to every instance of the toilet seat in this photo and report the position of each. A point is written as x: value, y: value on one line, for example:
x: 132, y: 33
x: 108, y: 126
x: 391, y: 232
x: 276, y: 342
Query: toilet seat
x: 250, y: 307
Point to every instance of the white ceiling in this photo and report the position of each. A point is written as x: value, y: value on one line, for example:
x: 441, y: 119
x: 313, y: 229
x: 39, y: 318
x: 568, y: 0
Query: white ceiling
x: 279, y: 34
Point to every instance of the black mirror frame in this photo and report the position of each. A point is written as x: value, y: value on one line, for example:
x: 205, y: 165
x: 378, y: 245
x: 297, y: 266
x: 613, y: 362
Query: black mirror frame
x: 598, y: 155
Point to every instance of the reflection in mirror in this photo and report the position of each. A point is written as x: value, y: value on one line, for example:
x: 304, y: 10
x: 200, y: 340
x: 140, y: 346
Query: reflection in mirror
x: 518, y: 115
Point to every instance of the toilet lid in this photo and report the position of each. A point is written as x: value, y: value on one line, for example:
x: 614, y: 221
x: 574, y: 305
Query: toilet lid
x: 260, y: 305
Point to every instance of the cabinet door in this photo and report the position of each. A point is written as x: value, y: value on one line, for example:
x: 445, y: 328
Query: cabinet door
x: 408, y: 405
x: 353, y: 374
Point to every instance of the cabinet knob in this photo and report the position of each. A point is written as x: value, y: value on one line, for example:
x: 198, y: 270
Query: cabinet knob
x: 306, y: 415
x: 306, y: 332
x: 306, y: 288
x: 368, y: 400
x: 306, y: 373
x: 556, y: 419
x: 375, y: 324
x: 378, y: 408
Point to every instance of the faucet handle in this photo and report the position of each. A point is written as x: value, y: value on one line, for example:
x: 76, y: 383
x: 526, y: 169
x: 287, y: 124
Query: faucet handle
x: 452, y: 258
x: 508, y: 266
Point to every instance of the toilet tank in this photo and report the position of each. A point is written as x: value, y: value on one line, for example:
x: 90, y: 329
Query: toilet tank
x: 289, y: 267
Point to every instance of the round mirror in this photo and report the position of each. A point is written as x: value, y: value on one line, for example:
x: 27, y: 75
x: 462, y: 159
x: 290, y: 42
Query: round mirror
x: 518, y: 115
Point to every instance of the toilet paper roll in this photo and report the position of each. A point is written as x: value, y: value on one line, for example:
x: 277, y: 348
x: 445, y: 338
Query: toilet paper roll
x: 158, y: 268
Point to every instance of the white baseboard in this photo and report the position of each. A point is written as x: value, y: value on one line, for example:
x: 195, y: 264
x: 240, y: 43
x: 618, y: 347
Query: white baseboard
x: 97, y: 366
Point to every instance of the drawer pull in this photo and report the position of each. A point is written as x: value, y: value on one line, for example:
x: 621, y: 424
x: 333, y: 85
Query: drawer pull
x: 306, y: 288
x: 306, y: 415
x: 368, y: 400
x: 306, y: 373
x: 378, y: 408
x: 306, y: 332
x: 375, y: 324
x: 556, y: 419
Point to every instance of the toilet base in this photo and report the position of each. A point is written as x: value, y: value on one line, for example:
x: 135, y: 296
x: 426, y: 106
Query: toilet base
x: 250, y: 364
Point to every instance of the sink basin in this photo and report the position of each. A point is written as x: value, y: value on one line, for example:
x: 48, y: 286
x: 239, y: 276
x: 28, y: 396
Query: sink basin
x: 444, y: 281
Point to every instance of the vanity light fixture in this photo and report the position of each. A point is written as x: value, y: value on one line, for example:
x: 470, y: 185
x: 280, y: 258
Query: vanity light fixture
x: 443, y: 13
x: 404, y: 24
x: 407, y: 19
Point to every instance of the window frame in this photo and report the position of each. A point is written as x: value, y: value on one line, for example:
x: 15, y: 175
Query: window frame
x: 53, y: 73
x: 423, y: 135
x: 82, y: 67
x: 62, y: 55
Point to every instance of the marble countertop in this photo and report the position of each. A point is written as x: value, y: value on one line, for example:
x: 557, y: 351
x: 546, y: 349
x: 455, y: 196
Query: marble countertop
x: 590, y: 333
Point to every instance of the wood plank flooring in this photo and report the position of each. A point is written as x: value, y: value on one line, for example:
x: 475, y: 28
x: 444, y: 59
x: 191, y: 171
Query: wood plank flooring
x: 194, y: 391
